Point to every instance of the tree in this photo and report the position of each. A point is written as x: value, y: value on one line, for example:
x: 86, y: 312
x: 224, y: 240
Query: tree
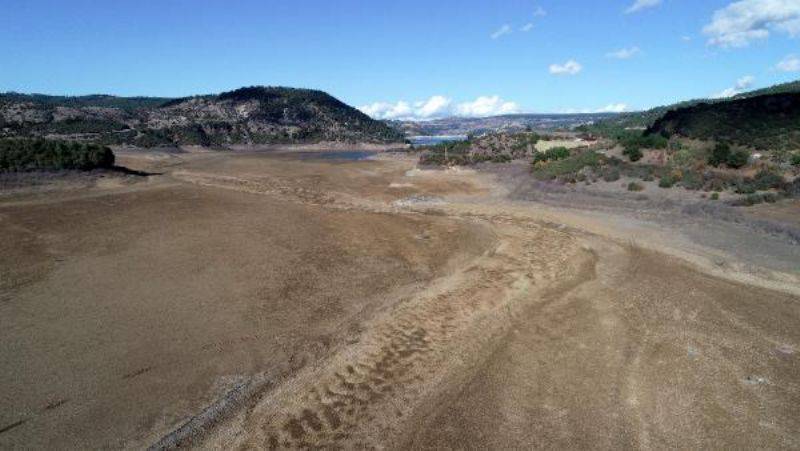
x: 719, y: 155
x: 633, y: 152
x: 738, y: 158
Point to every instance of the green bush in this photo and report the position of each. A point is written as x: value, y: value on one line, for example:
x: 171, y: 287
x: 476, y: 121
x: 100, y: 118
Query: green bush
x: 719, y: 155
x: 568, y: 168
x: 766, y: 179
x: 18, y: 155
x: 795, y: 159
x: 553, y: 154
x: 639, y: 140
x: 633, y: 186
x: 521, y: 141
x: 667, y: 181
x: 754, y: 199
x: 634, y: 153
x: 744, y: 186
x: 693, y: 180
x: 714, y: 196
x: 738, y: 158
x: 451, y: 152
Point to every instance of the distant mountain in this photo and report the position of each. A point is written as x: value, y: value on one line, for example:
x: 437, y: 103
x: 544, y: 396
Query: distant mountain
x: 768, y: 122
x: 504, y: 123
x: 254, y: 115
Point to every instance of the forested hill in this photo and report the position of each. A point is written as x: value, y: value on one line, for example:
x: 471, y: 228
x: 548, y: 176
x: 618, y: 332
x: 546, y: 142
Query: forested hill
x: 762, y: 122
x: 254, y: 115
x: 644, y: 119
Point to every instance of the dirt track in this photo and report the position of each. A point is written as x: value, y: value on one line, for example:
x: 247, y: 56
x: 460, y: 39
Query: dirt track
x: 367, y: 304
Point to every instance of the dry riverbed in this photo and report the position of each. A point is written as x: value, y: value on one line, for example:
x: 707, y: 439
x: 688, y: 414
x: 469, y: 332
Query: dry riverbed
x: 261, y: 299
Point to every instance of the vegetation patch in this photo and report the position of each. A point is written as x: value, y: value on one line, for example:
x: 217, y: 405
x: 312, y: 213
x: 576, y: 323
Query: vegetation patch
x: 493, y: 147
x: 633, y: 186
x: 767, y: 122
x: 17, y: 155
x: 569, y: 169
x: 552, y: 154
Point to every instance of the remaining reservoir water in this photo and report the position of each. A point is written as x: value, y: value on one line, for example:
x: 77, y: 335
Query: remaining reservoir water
x: 433, y: 140
x: 345, y: 155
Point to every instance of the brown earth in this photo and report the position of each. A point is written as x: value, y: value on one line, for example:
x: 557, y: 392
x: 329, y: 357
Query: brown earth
x: 259, y: 300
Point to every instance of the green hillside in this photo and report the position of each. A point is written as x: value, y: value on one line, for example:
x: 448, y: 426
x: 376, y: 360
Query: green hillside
x: 766, y: 122
x: 644, y: 119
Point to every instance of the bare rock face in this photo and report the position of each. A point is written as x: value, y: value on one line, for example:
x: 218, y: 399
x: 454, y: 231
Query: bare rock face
x: 256, y: 115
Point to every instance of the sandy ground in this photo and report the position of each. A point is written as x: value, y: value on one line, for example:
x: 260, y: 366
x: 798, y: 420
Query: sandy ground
x: 263, y: 300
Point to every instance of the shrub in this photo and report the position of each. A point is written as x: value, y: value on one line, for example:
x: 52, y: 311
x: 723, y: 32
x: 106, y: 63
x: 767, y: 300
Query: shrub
x: 629, y: 138
x: 754, y: 199
x: 795, y: 159
x: 633, y: 186
x: 568, y: 168
x: 714, y: 196
x: 553, y: 154
x: 688, y: 156
x: 611, y: 174
x: 719, y: 154
x: 667, y: 181
x: 501, y: 158
x: 39, y: 154
x: 456, y: 152
x: 744, y: 186
x: 634, y: 153
x: 738, y: 158
x: 692, y: 180
x: 766, y: 179
x: 793, y: 189
x: 716, y: 183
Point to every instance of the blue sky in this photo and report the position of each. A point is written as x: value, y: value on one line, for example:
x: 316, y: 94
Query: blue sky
x: 406, y: 58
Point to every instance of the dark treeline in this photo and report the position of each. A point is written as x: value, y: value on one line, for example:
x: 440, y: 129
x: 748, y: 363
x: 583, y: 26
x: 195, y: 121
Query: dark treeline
x: 18, y: 155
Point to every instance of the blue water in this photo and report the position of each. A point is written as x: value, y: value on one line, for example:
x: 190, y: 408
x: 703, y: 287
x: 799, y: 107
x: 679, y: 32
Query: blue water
x: 343, y: 155
x: 433, y: 140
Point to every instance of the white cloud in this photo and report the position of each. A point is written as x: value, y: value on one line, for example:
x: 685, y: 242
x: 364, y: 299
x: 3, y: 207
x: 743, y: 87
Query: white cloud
x: 725, y: 93
x: 539, y: 12
x: 383, y: 110
x: 741, y: 85
x: 640, y: 5
x: 440, y: 106
x: 791, y: 63
x: 686, y: 38
x: 613, y: 108
x: 526, y: 28
x: 745, y: 21
x: 571, y: 67
x: 502, y: 31
x: 486, y: 106
x: 624, y: 54
x: 745, y: 82
x: 610, y: 108
x: 434, y: 107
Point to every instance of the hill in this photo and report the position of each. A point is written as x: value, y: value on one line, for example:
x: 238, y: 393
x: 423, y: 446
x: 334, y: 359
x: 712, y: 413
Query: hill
x: 645, y: 119
x: 783, y: 88
x: 253, y: 115
x: 767, y: 122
